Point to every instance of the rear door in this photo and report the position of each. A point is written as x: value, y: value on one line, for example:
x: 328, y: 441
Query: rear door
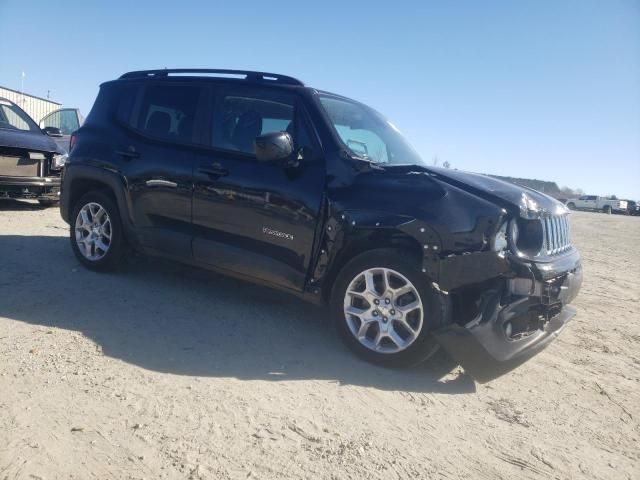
x: 159, y: 158
x: 257, y: 219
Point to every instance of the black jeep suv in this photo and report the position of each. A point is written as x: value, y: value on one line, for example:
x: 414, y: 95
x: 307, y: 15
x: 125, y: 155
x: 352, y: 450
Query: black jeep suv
x: 255, y: 175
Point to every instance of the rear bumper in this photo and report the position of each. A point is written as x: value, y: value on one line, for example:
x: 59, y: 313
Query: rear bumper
x: 41, y: 188
x: 512, y: 328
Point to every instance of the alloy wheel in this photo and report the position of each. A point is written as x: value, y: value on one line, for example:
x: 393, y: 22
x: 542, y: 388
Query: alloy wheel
x: 383, y: 310
x: 93, y: 231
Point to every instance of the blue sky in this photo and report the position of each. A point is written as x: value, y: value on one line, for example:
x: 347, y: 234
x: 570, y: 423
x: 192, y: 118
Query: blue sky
x: 539, y: 89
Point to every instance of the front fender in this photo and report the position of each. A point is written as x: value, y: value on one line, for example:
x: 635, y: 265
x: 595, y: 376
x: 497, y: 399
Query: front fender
x: 446, y: 257
x: 344, y: 228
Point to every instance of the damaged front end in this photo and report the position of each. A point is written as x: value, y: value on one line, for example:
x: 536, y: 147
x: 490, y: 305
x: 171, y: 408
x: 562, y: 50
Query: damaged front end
x: 509, y: 303
x: 496, y: 329
x: 28, y: 174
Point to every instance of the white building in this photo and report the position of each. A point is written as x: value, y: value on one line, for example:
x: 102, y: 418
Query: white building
x: 36, y: 107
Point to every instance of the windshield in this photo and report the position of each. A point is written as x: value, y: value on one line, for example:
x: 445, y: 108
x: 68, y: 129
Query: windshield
x: 368, y: 135
x: 12, y: 117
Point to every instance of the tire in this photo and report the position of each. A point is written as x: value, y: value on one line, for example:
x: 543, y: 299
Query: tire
x: 606, y: 209
x: 571, y: 206
x: 109, y: 236
x: 399, y: 268
x: 48, y: 203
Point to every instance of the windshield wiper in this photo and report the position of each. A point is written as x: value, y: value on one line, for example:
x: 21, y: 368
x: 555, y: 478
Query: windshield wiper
x: 362, y: 163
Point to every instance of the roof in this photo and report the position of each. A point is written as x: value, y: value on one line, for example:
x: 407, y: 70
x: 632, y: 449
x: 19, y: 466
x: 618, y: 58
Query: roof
x: 29, y: 95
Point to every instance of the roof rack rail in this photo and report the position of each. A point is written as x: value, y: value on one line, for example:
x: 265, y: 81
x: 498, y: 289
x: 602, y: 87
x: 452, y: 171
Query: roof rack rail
x: 250, y: 76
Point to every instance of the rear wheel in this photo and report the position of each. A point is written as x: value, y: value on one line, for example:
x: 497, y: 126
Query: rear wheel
x: 607, y: 209
x: 96, y: 232
x: 385, y: 308
x: 48, y: 203
x: 571, y: 206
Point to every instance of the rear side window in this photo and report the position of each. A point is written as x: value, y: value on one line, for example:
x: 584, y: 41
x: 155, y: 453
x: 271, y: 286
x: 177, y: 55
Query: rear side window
x: 241, y: 117
x: 169, y: 111
x: 127, y: 97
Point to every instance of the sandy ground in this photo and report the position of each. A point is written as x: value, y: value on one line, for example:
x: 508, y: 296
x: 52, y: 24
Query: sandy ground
x: 164, y: 371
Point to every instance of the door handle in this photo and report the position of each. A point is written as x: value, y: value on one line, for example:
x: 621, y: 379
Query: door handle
x: 156, y: 182
x: 130, y: 153
x: 215, y: 170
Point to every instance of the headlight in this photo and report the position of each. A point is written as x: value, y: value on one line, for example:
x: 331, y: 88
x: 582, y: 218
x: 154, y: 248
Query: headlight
x: 59, y: 160
x: 527, y: 236
x: 499, y: 242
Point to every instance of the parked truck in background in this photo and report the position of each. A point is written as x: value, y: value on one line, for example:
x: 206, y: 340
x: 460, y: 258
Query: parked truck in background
x: 597, y: 204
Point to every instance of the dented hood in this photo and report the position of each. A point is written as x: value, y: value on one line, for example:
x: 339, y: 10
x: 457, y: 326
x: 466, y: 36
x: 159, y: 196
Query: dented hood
x: 529, y: 202
x: 27, y: 140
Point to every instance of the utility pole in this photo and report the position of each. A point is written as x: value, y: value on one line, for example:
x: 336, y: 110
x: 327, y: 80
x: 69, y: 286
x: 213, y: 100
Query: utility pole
x: 22, y: 88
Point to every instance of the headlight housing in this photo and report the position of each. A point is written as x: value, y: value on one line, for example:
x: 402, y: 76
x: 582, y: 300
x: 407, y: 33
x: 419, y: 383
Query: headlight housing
x: 59, y: 160
x: 522, y: 236
x: 527, y: 236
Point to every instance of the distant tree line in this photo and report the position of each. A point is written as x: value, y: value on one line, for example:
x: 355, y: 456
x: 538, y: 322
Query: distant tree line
x: 550, y: 188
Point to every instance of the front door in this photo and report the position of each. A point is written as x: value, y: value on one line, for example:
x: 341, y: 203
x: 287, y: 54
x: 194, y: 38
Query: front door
x: 257, y: 219
x: 67, y: 120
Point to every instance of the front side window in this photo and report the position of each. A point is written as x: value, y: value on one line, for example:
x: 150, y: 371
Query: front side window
x: 241, y: 117
x: 169, y: 111
x: 13, y: 118
x: 366, y: 134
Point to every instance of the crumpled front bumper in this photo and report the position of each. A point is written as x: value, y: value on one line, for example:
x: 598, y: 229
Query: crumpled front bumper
x: 43, y: 188
x: 484, y: 347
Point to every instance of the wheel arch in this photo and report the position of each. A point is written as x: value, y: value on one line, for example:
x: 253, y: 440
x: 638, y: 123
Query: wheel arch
x: 81, y: 179
x: 355, y: 233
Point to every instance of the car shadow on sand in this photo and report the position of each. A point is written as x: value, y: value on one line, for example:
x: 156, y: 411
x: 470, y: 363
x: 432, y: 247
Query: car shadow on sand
x: 15, y: 205
x: 171, y: 318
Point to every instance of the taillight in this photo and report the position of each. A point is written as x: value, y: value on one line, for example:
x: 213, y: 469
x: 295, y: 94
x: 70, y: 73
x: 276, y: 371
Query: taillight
x: 72, y: 141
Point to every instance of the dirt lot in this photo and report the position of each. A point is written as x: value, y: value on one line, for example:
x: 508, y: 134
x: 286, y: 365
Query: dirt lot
x: 164, y: 371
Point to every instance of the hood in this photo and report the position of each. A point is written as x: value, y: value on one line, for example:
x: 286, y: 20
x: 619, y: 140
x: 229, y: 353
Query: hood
x: 27, y: 140
x: 529, y: 202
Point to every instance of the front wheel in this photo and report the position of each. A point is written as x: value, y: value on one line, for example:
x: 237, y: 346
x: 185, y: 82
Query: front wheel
x: 385, y: 308
x: 571, y: 206
x: 607, y: 209
x: 96, y: 232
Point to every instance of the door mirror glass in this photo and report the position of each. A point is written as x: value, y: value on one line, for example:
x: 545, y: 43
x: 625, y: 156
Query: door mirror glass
x: 273, y: 146
x: 52, y: 131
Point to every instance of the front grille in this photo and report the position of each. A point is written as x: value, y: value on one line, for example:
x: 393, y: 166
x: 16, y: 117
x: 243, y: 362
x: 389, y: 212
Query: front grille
x: 556, y: 234
x: 18, y: 166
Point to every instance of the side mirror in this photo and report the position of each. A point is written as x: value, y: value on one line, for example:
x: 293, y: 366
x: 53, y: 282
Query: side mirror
x: 274, y: 146
x: 52, y: 131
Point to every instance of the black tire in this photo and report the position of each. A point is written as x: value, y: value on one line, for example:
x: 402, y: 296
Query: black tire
x: 571, y: 206
x: 48, y: 203
x: 607, y: 209
x: 113, y: 256
x: 436, y: 307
